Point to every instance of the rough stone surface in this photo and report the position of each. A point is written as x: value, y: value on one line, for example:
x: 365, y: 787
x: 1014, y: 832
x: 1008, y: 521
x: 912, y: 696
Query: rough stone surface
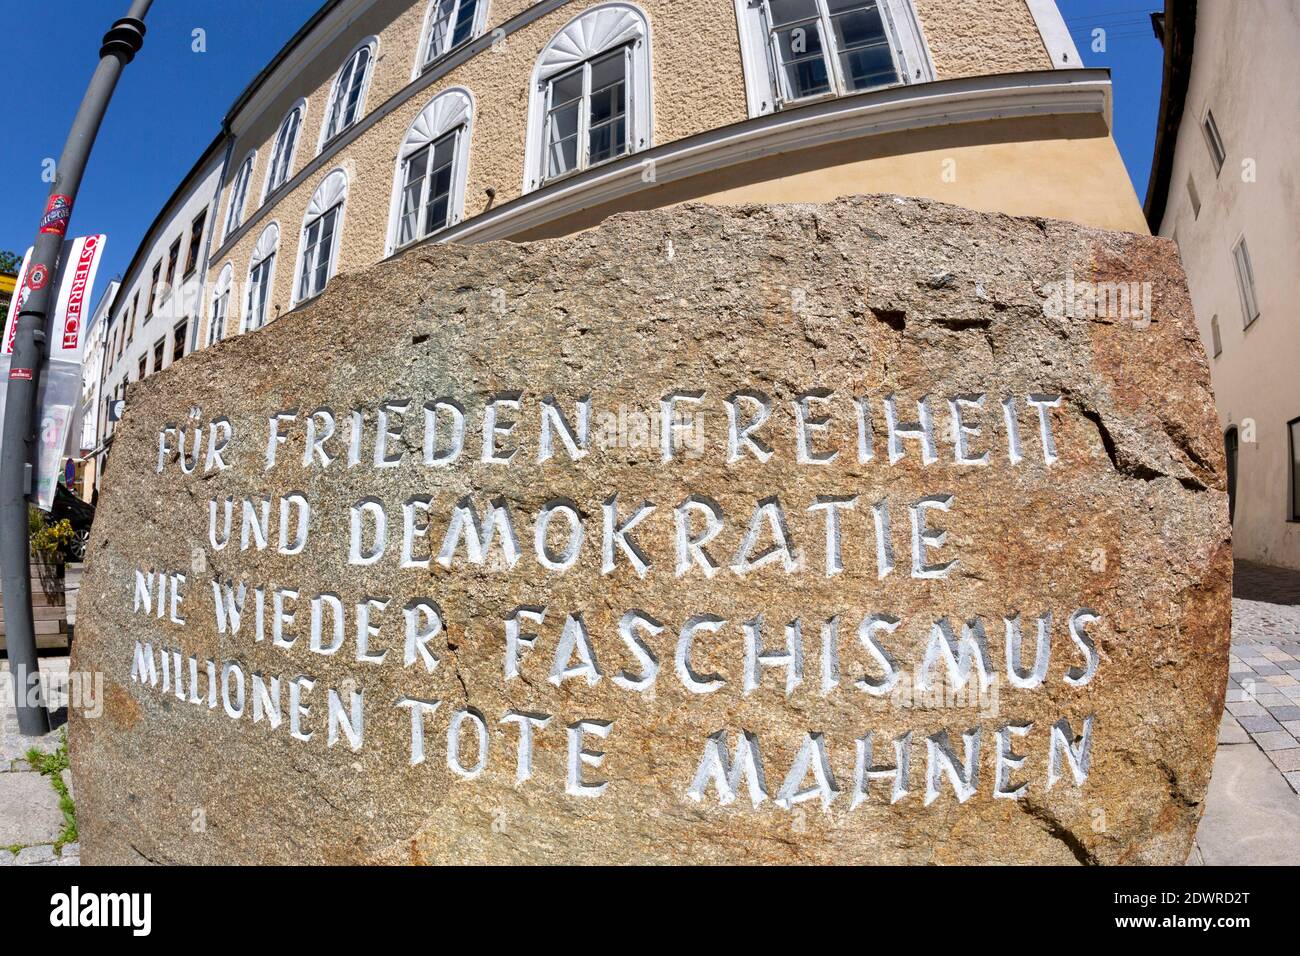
x: 866, y: 297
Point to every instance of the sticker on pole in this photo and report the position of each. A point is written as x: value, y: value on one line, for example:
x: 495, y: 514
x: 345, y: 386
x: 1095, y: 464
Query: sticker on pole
x: 57, y: 213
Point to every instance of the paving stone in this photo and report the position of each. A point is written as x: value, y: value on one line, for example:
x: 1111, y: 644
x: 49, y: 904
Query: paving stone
x: 1285, y: 760
x: 1237, y: 696
x: 35, y: 855
x: 1292, y: 692
x: 1281, y: 680
x: 1288, y: 712
x: 1246, y: 709
x: 1272, y: 700
x: 1274, y: 740
x: 1259, y: 723
x: 1293, y: 778
x: 6, y: 858
x: 1252, y: 816
x: 1292, y: 727
x: 29, y: 810
x: 1231, y: 732
x: 1266, y: 669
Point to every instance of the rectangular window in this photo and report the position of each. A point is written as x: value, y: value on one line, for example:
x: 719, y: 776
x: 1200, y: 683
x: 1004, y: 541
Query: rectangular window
x: 153, y: 289
x: 317, y: 253
x: 1215, y: 338
x: 587, y: 113
x: 217, y: 325
x: 1214, y: 141
x: 426, y: 189
x: 143, y: 368
x: 159, y: 353
x: 259, y: 293
x: 196, y: 242
x: 178, y: 340
x: 1245, y: 283
x: 135, y: 314
x: 1293, y: 430
x: 822, y: 47
x: 1194, y: 197
x: 453, y: 24
x: 173, y: 254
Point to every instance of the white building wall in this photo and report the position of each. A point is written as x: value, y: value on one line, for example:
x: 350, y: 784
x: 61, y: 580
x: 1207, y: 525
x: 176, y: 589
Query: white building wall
x: 181, y: 304
x: 1246, y: 71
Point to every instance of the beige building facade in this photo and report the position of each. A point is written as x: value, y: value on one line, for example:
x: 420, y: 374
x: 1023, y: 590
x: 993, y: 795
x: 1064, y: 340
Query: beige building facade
x: 385, y: 124
x: 1225, y: 187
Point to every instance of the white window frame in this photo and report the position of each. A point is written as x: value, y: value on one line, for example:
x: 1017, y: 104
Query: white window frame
x: 1247, y: 289
x: 593, y: 32
x: 762, y: 81
x: 266, y: 249
x: 222, y: 289
x: 267, y: 186
x: 450, y: 110
x: 1214, y: 141
x: 422, y: 60
x: 332, y: 191
x: 327, y: 136
x: 238, y: 198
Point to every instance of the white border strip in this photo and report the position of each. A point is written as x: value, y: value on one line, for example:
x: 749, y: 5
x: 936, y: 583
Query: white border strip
x: 1055, y: 34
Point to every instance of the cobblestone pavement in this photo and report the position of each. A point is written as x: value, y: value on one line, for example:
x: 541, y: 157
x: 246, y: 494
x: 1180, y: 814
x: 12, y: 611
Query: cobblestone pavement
x: 30, y: 819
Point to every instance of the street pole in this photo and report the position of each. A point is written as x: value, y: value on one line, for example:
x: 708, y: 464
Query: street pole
x: 120, y: 45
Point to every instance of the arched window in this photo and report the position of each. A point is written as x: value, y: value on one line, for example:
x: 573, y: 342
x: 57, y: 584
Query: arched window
x: 590, y: 99
x: 800, y: 50
x: 429, y: 185
x: 239, y: 194
x: 261, y: 276
x: 282, y: 153
x: 320, y: 236
x: 347, y: 102
x: 449, y: 24
x: 220, y: 304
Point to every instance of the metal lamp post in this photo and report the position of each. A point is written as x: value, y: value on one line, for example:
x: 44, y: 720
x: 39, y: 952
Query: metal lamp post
x: 121, y: 43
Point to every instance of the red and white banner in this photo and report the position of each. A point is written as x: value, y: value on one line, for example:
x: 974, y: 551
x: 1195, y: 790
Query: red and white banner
x: 15, y: 303
x: 80, y: 263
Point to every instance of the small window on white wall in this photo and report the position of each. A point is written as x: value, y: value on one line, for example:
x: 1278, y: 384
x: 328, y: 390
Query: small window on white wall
x: 590, y: 100
x: 320, y: 235
x: 220, y: 305
x: 429, y: 184
x: 282, y: 153
x: 261, y: 275
x: 347, y: 100
x: 795, y: 51
x: 1245, y: 282
x: 239, y: 194
x: 450, y: 24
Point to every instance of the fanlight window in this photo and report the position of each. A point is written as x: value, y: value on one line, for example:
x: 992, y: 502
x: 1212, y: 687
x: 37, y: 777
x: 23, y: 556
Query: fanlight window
x: 220, y: 305
x: 261, y: 272
x: 452, y: 23
x: 430, y: 185
x: 590, y: 99
x: 320, y: 233
x: 348, y: 98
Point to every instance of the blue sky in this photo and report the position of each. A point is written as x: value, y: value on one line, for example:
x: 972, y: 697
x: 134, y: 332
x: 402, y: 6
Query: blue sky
x: 169, y: 103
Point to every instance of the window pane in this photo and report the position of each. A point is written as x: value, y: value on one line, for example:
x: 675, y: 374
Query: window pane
x: 566, y: 88
x: 608, y: 141
x: 464, y: 22
x: 562, y: 139
x: 803, y: 61
x: 413, y: 186
x: 439, y: 29
x: 788, y: 11
x: 439, y: 206
x: 864, y: 47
